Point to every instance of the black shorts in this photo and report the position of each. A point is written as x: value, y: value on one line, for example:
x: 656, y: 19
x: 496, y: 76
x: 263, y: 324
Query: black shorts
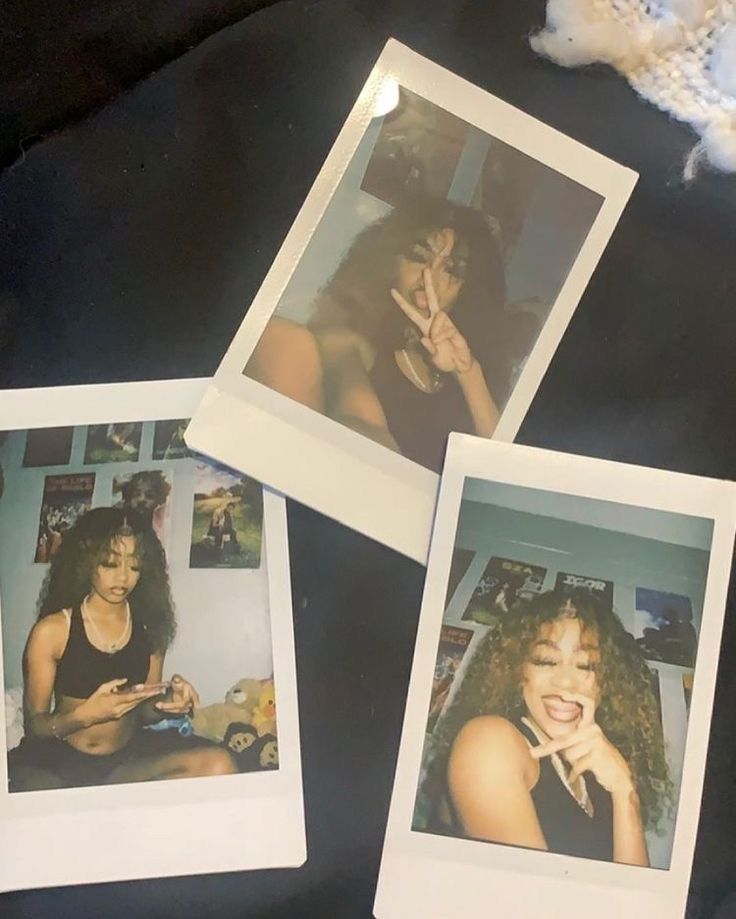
x: 75, y: 769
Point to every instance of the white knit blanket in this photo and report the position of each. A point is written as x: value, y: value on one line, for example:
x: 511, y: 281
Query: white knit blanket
x: 678, y: 54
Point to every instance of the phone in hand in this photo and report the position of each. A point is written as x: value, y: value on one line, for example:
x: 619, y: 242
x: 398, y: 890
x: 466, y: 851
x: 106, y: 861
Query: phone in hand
x: 152, y: 688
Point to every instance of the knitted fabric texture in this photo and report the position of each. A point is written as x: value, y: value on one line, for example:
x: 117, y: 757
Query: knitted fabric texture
x: 678, y: 54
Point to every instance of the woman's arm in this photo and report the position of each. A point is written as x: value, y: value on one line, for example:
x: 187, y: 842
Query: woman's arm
x: 483, y: 410
x: 43, y: 650
x: 147, y: 712
x: 349, y: 394
x: 629, y: 841
x: 490, y: 774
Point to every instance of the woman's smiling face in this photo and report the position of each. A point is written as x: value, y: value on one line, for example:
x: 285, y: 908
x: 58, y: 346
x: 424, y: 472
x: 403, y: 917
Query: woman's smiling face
x: 443, y: 254
x: 562, y: 663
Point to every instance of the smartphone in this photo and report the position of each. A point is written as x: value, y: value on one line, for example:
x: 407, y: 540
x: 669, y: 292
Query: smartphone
x: 157, y: 688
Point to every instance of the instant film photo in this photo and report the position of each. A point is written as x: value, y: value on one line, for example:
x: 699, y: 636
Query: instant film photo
x: 561, y: 764
x: 150, y: 718
x: 422, y: 289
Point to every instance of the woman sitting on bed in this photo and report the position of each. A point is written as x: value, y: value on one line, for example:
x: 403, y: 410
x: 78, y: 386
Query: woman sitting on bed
x: 94, y: 664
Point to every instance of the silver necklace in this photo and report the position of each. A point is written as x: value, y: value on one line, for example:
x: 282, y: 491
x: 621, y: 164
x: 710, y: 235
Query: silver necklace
x: 583, y: 800
x: 108, y: 647
x: 415, y: 378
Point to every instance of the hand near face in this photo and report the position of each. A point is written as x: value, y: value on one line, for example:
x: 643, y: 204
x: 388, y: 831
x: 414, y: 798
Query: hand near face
x: 181, y: 699
x: 587, y: 749
x: 448, y: 350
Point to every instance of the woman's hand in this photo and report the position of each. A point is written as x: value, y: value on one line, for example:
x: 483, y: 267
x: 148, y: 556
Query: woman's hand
x: 587, y: 749
x: 448, y: 350
x: 180, y: 699
x: 109, y: 703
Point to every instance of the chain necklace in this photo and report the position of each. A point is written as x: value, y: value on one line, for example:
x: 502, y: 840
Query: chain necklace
x: 583, y: 799
x: 404, y: 361
x: 107, y: 647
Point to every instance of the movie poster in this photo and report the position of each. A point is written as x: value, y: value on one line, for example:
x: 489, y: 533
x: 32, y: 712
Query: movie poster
x: 452, y: 647
x: 503, y: 582
x: 601, y: 589
x: 227, y: 521
x: 148, y: 493
x: 664, y: 628
x: 168, y: 439
x: 48, y: 447
x: 113, y: 443
x: 65, y: 499
x: 416, y: 151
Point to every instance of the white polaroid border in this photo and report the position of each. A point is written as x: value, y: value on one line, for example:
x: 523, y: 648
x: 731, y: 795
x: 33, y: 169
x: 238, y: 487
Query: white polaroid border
x: 320, y: 462
x: 166, y: 828
x: 434, y: 876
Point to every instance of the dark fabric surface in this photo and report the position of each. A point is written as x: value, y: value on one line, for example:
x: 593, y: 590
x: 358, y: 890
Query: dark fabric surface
x: 60, y: 60
x: 131, y: 246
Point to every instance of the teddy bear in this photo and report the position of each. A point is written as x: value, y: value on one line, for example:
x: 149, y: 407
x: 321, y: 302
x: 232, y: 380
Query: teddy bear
x: 212, y: 721
x: 263, y: 717
x: 252, y: 753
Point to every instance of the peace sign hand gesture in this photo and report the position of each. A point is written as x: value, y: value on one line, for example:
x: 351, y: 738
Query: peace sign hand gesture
x: 448, y: 350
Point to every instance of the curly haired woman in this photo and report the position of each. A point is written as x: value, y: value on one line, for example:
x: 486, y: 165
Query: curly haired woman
x: 410, y: 339
x: 93, y: 666
x: 554, y: 740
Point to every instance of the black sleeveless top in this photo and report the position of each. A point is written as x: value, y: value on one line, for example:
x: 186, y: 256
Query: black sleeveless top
x: 420, y: 422
x: 82, y: 667
x: 566, y: 826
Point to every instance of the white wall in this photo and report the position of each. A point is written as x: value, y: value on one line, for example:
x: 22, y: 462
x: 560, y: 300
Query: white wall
x: 222, y: 615
x: 676, y: 565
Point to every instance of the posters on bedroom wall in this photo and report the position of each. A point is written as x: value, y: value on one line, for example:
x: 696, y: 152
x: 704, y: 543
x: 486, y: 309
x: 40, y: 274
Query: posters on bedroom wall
x: 65, y: 498
x: 227, y: 519
x: 232, y: 642
x: 113, y: 443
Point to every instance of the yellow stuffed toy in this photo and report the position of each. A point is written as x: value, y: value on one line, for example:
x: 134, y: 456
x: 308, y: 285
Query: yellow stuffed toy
x: 263, y: 717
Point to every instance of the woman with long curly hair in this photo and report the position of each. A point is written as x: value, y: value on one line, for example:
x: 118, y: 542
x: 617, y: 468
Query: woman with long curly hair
x: 93, y: 665
x: 554, y: 739
x: 410, y: 339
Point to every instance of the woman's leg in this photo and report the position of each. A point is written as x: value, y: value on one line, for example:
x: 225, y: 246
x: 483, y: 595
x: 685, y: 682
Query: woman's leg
x: 200, y: 761
x: 287, y: 359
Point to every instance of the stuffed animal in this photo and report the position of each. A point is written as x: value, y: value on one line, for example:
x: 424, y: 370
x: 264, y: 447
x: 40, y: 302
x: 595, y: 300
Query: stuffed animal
x: 268, y: 752
x: 251, y: 752
x: 264, y: 715
x: 212, y: 721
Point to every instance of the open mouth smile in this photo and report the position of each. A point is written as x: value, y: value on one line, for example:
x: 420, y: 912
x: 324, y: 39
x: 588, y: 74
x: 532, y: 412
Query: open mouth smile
x: 560, y: 711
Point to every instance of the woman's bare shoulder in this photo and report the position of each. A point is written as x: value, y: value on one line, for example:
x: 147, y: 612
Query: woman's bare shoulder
x: 51, y: 631
x: 491, y: 739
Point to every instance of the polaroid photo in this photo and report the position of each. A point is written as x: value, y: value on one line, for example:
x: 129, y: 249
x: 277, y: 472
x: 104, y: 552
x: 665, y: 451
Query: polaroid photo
x: 422, y: 289
x: 554, y: 742
x: 150, y: 717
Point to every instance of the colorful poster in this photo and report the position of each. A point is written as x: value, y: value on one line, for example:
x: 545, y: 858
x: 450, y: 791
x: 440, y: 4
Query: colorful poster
x: 566, y: 583
x: 417, y: 150
x: 113, y: 443
x: 168, y: 439
x: 503, y: 582
x: 65, y: 499
x: 227, y: 522
x: 148, y: 493
x: 664, y: 628
x: 452, y: 647
x: 48, y: 447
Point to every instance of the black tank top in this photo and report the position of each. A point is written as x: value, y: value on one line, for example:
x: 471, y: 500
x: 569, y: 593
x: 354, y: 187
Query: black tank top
x: 82, y: 667
x: 566, y: 826
x: 420, y: 422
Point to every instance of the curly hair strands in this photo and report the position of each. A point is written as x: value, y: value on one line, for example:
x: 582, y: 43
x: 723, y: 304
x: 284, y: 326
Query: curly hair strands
x: 86, y: 544
x: 627, y: 712
x: 357, y: 296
